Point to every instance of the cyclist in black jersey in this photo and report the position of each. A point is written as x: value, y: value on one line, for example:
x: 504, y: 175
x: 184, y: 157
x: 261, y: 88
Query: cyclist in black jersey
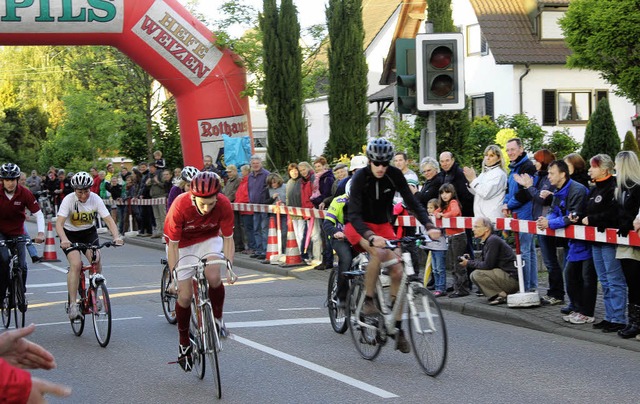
x: 370, y: 215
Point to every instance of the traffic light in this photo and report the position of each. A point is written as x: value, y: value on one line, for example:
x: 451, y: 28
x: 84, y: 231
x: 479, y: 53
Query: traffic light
x: 405, y: 91
x: 440, y: 79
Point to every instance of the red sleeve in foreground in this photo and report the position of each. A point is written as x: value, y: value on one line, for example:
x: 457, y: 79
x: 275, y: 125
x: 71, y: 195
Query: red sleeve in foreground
x: 15, y: 384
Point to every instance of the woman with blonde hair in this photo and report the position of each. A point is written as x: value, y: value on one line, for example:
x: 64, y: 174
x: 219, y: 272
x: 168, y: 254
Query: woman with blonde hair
x: 628, y: 197
x: 490, y: 186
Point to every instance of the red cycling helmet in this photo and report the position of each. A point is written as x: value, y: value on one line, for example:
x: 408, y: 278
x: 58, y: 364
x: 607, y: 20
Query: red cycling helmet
x: 205, y: 184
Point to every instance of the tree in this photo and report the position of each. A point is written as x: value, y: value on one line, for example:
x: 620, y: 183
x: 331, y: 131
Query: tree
x: 630, y: 143
x: 287, y: 135
x: 348, y: 104
x: 561, y: 143
x: 526, y: 128
x: 601, y: 135
x: 603, y: 36
x: 482, y: 133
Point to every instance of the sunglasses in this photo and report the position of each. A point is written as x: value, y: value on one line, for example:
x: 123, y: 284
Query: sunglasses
x: 381, y: 163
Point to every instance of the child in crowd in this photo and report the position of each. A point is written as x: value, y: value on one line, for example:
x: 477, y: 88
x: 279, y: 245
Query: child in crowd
x: 160, y: 163
x: 450, y: 208
x: 438, y: 250
x: 278, y: 196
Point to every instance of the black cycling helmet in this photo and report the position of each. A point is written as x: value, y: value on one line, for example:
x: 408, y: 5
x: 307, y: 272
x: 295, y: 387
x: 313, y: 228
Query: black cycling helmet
x: 82, y: 180
x: 9, y: 171
x: 380, y: 150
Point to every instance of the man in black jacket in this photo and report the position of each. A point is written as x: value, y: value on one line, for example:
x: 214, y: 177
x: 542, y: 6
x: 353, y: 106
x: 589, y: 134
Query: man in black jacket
x: 495, y: 274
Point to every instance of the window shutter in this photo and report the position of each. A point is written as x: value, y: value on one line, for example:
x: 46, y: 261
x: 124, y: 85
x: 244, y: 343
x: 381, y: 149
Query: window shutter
x: 488, y: 105
x: 549, y: 109
x: 600, y: 94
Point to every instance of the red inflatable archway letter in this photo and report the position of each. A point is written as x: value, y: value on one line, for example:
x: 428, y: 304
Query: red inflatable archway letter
x: 165, y: 40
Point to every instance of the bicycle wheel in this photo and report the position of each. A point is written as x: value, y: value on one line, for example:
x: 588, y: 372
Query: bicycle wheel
x: 101, y: 311
x: 6, y: 311
x: 197, y: 344
x: 337, y: 315
x: 364, y: 338
x: 428, y: 331
x: 211, y: 337
x: 168, y: 299
x: 20, y: 302
x: 77, y: 324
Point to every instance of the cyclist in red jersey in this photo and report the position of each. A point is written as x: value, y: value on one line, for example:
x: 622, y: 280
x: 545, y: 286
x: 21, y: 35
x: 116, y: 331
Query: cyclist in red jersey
x: 193, y: 229
x: 14, y: 199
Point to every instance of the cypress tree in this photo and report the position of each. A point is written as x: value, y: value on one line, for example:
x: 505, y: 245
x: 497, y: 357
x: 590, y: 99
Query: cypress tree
x: 348, y: 105
x: 287, y: 135
x: 601, y: 135
x: 630, y: 143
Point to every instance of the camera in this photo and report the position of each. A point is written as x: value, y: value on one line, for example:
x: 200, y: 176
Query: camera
x: 463, y: 257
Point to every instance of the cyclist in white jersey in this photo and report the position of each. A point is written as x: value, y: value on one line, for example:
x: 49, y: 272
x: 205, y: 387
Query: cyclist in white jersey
x: 76, y: 224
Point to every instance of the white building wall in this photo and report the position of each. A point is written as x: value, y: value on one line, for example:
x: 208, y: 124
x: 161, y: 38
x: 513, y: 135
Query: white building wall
x: 549, y: 77
x: 317, y: 116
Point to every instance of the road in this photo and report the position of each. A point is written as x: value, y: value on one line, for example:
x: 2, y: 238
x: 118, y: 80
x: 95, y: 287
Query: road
x: 283, y: 350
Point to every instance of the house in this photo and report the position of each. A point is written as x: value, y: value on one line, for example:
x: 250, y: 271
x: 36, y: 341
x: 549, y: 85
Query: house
x: 514, y: 63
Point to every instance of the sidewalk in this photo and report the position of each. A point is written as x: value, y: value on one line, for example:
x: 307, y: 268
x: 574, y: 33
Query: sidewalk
x: 544, y: 318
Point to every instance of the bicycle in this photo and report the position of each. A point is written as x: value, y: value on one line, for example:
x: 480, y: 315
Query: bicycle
x: 203, y: 330
x: 427, y: 329
x: 167, y: 295
x: 44, y: 201
x: 338, y: 312
x: 15, y: 295
x: 94, y: 298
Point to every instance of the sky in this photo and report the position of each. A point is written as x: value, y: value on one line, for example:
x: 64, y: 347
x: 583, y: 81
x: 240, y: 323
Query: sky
x: 310, y: 12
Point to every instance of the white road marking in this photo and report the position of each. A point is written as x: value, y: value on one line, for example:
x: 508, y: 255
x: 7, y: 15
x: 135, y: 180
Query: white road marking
x: 242, y: 311
x: 67, y: 322
x: 55, y: 267
x: 276, y: 323
x: 302, y: 308
x: 46, y: 285
x: 314, y: 367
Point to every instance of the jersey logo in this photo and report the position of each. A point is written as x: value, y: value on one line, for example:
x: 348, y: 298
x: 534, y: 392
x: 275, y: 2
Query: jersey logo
x: 17, y: 203
x: 598, y: 199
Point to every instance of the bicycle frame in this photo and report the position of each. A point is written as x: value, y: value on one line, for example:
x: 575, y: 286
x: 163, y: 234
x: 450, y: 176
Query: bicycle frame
x: 404, y: 292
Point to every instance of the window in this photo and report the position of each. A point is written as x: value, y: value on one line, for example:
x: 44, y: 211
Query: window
x: 569, y: 107
x: 482, y: 105
x: 549, y: 27
x: 476, y: 43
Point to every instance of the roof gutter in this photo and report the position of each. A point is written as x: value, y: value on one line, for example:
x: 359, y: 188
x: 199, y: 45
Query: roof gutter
x: 520, y: 85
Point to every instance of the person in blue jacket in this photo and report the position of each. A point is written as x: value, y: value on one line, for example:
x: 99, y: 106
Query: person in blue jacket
x: 567, y: 208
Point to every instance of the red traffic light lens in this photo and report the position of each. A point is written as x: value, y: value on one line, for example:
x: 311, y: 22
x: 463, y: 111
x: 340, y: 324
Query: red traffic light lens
x: 441, y: 57
x: 442, y: 85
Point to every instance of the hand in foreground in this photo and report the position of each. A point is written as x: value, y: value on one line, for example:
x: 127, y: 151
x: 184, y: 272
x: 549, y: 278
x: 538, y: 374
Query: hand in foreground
x: 434, y: 234
x: 20, y: 352
x: 41, y: 387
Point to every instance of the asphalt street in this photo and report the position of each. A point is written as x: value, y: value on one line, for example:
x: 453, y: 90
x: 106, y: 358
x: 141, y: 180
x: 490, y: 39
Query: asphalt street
x: 283, y: 350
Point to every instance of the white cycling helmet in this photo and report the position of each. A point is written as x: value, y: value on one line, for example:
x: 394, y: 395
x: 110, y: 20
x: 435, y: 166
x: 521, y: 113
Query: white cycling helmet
x: 347, y: 188
x: 9, y: 171
x: 188, y: 173
x: 81, y: 180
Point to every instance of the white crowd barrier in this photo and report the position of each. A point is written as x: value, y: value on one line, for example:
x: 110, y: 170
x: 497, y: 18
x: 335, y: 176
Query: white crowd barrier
x: 576, y: 232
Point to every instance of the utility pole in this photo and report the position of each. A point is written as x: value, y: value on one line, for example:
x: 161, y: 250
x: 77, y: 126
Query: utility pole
x: 428, y: 134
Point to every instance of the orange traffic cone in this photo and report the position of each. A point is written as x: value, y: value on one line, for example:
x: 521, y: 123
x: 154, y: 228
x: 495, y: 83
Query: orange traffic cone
x: 50, y: 254
x: 272, y: 244
x: 293, y: 257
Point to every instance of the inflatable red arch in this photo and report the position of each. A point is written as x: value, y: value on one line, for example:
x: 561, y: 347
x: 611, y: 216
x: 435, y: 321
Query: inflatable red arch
x: 163, y: 38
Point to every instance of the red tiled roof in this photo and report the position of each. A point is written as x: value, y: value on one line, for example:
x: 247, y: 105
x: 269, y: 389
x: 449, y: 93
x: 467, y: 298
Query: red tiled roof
x: 507, y: 27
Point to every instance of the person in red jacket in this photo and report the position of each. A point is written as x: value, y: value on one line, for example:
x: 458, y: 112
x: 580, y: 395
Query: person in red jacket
x: 246, y: 217
x: 18, y: 353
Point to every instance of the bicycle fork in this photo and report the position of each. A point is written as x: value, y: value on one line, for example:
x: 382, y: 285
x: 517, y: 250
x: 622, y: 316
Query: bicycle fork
x: 414, y: 316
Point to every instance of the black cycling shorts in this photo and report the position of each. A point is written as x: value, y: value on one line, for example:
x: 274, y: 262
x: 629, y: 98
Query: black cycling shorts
x: 88, y: 236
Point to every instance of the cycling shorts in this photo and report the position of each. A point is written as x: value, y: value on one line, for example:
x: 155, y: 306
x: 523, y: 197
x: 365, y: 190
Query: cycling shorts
x: 86, y: 236
x: 211, y: 247
x: 380, y: 229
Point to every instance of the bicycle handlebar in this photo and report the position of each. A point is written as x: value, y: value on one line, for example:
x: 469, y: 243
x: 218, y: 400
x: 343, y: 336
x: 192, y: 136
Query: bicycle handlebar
x: 202, y: 262
x: 79, y: 246
x: 408, y: 240
x: 14, y: 241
